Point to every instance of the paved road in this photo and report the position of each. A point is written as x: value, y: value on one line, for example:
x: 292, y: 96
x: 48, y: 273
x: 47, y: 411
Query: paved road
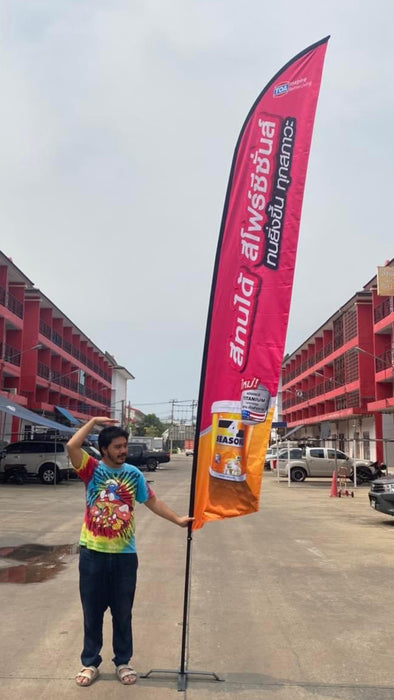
x: 292, y: 603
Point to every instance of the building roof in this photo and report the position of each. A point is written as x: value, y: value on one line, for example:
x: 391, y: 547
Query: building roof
x: 16, y: 275
x: 122, y: 370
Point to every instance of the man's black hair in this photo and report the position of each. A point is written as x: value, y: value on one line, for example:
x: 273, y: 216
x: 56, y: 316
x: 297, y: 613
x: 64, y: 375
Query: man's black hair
x: 108, y: 434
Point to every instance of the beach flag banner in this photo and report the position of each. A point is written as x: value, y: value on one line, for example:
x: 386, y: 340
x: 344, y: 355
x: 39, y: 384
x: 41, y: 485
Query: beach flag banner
x: 251, y: 291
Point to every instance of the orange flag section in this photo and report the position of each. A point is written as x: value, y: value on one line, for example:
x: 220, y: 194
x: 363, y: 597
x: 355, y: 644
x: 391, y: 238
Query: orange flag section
x: 228, y: 478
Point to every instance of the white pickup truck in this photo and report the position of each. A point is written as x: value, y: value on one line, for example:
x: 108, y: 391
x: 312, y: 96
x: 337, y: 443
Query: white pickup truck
x: 312, y: 461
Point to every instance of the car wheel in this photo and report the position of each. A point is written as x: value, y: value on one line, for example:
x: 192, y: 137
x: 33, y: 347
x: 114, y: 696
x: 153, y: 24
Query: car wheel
x: 47, y: 474
x: 297, y: 474
x: 151, y: 463
x: 363, y: 475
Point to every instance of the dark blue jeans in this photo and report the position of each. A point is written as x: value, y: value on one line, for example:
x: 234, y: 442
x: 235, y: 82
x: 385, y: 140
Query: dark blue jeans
x: 107, y: 581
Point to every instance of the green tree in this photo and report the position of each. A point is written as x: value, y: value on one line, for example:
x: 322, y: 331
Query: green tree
x: 150, y: 425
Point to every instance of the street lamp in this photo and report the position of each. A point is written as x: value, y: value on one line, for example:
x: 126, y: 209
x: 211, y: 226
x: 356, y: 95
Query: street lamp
x: 9, y: 358
x: 376, y: 358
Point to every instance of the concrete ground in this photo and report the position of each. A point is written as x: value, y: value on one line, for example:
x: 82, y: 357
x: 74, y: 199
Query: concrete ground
x: 295, y: 602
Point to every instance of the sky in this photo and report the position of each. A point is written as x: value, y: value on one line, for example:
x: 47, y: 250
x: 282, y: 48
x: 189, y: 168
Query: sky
x: 119, y: 121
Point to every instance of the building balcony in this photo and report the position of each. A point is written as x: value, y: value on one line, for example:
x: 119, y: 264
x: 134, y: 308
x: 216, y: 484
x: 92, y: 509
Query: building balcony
x: 10, y: 354
x: 70, y: 383
x: 384, y: 361
x: 384, y: 309
x: 65, y: 345
x: 10, y: 302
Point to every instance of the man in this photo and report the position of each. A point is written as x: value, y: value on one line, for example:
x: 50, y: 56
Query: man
x: 108, y: 560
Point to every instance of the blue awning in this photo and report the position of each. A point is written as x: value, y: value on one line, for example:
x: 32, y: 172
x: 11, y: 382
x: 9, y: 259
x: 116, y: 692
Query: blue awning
x: 68, y: 415
x: 14, y: 409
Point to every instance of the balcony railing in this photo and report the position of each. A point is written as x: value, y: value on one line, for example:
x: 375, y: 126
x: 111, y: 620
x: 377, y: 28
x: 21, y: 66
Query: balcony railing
x: 71, y: 350
x: 384, y: 361
x: 384, y: 309
x: 43, y: 370
x: 57, y: 339
x: 45, y: 329
x: 14, y: 305
x: 11, y: 355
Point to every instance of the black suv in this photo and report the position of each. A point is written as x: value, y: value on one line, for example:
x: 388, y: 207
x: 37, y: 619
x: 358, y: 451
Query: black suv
x: 381, y: 495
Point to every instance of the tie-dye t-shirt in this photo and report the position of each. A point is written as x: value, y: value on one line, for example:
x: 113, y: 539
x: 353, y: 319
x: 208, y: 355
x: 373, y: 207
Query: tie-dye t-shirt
x: 110, y: 499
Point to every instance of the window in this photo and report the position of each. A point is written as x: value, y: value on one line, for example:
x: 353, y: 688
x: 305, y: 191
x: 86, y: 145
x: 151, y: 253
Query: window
x: 294, y: 453
x: 339, y: 371
x: 337, y: 453
x: 15, y: 448
x: 134, y: 449
x: 338, y: 332
x: 350, y: 324
x: 317, y: 453
x: 35, y: 447
x: 351, y: 366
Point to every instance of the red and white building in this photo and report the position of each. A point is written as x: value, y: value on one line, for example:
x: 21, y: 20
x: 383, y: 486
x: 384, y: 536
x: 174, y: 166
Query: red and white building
x: 338, y: 385
x: 47, y: 364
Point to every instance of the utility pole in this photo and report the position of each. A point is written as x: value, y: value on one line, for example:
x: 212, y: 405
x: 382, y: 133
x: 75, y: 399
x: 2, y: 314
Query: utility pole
x: 172, y: 402
x: 194, y: 403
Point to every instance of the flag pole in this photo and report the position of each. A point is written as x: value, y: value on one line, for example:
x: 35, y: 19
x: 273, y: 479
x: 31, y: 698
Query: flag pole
x: 183, y: 672
x: 258, y: 367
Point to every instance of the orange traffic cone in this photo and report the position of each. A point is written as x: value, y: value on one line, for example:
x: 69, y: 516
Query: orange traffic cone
x: 334, y: 486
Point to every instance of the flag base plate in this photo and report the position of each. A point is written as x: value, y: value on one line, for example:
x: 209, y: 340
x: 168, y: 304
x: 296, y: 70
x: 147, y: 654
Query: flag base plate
x: 182, y: 675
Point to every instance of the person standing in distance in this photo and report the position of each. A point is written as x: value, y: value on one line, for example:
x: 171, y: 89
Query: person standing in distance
x: 108, y: 559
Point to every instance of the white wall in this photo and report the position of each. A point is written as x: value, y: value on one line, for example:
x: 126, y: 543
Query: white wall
x: 388, y: 434
x: 118, y: 395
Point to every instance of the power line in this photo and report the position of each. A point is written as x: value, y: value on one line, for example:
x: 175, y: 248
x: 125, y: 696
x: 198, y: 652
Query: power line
x: 162, y: 403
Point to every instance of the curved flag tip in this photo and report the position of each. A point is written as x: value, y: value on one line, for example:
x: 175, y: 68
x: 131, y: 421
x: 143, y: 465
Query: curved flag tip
x: 295, y: 58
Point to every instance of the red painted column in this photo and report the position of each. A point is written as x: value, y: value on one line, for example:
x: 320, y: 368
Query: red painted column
x: 29, y: 360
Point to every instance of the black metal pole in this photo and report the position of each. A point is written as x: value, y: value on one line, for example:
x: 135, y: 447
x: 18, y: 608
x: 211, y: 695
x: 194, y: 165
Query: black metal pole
x: 185, y: 622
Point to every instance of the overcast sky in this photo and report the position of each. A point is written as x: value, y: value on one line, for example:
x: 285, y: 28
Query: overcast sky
x: 119, y: 121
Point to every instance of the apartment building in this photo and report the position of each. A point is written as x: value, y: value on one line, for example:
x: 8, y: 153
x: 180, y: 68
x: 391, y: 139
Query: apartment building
x: 48, y: 365
x: 338, y: 385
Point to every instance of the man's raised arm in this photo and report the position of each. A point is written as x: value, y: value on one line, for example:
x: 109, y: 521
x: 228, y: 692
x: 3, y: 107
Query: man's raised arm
x: 74, y: 445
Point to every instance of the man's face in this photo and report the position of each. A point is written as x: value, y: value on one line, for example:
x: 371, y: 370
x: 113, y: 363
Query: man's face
x: 116, y: 452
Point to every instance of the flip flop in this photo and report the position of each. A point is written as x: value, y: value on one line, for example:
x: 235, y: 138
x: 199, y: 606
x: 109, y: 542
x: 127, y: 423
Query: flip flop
x: 125, y: 671
x: 90, y: 676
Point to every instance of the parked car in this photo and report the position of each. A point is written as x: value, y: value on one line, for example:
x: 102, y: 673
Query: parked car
x: 189, y: 452
x: 271, y: 456
x: 381, y: 495
x: 47, y: 460
x: 92, y: 451
x: 312, y: 462
x: 139, y: 455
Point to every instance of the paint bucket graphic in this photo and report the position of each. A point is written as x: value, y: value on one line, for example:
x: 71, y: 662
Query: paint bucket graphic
x: 228, y: 457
